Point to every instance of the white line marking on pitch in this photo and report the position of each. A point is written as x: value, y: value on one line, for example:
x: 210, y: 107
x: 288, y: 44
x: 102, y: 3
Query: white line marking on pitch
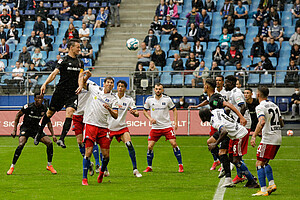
x: 219, y: 194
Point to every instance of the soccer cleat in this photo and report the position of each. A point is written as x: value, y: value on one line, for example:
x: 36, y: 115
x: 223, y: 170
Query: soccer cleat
x: 228, y: 182
x: 51, y: 169
x: 37, y: 139
x: 180, y: 170
x: 220, y: 169
x: 215, y: 164
x: 137, y: 173
x: 221, y: 174
x: 85, y: 181
x: 260, y: 193
x: 91, y: 169
x: 61, y: 143
x: 106, y: 173
x: 10, y: 171
x: 251, y: 184
x: 148, y: 169
x: 100, y: 177
x: 97, y: 169
x: 271, y: 188
x: 237, y: 179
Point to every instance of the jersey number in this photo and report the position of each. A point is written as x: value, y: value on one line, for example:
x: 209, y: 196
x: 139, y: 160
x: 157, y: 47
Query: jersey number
x: 275, y: 116
x: 172, y: 132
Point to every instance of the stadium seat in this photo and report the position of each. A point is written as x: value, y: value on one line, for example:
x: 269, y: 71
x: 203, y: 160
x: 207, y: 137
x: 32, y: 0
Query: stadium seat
x: 179, y: 9
x: 177, y: 79
x: 175, y: 99
x: 53, y: 12
x: 191, y: 101
x: 99, y: 32
x: 94, y: 5
x: 169, y: 61
x: 47, y: 5
x: 182, y: 31
x: 166, y: 78
x: 52, y: 55
x: 188, y: 79
x: 57, y: 5
x: 283, y: 104
x: 279, y: 78
x: 250, y: 22
x: 216, y: 31
x: 77, y: 24
x: 274, y: 61
x: 59, y: 38
x: 288, y: 7
x: 240, y: 23
x: 266, y: 79
x: 4, y: 61
x: 96, y: 39
x: 253, y: 79
x: 181, y: 23
x: 286, y: 18
x: 289, y: 31
x: 172, y: 52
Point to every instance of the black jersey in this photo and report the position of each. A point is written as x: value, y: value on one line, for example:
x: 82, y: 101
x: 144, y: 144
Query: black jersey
x: 69, y: 71
x: 33, y: 115
x: 251, y: 107
x: 216, y: 101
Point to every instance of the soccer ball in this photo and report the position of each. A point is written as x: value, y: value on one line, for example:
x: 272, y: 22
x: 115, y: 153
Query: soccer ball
x: 290, y: 133
x: 132, y: 44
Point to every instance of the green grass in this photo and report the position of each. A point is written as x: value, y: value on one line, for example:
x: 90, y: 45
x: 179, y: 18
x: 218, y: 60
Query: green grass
x: 31, y: 180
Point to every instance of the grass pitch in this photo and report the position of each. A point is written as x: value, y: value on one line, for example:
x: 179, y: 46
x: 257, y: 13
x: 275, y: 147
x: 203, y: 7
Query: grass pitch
x: 31, y: 180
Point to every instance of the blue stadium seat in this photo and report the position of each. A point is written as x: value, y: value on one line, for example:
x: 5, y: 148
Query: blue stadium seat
x: 169, y: 62
x: 53, y: 12
x: 250, y: 22
x: 286, y: 18
x: 253, y: 79
x: 191, y: 101
x: 240, y: 23
x: 77, y: 24
x: 182, y: 31
x: 216, y: 31
x: 252, y: 30
x: 177, y: 79
x: 94, y: 5
x: 29, y: 12
x: 84, y: 4
x: 266, y: 79
x: 57, y: 5
x: 172, y: 52
x: 274, y: 61
x: 12, y: 47
x: 175, y: 99
x: 179, y: 9
x: 96, y: 39
x: 212, y: 45
x: 289, y: 31
x: 4, y: 61
x: 59, y: 38
x: 288, y: 7
x: 166, y: 78
x: 283, y: 104
x: 27, y: 32
x: 99, y: 32
x: 20, y: 32
x: 52, y: 55
x: 47, y: 5
x: 188, y: 79
x: 279, y: 78
x: 165, y: 39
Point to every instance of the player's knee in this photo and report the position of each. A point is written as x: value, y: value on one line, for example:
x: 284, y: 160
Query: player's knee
x: 129, y: 145
x: 21, y: 146
x: 150, y: 147
x: 174, y: 145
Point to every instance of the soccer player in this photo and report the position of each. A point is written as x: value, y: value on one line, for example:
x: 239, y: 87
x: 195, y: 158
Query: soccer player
x: 270, y: 123
x: 118, y: 128
x: 70, y: 85
x: 33, y: 113
x: 251, y: 104
x: 160, y: 104
x: 102, y: 104
x: 236, y: 132
x: 220, y: 87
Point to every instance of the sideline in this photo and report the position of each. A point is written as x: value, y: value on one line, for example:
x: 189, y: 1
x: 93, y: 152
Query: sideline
x: 219, y: 194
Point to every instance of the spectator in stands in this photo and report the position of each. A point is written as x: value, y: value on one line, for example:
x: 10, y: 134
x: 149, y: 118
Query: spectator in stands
x: 184, y: 48
x: 192, y: 33
x: 5, y: 6
x: 37, y: 58
x: 18, y: 20
x: 51, y: 64
x: 143, y: 56
x: 257, y: 48
x: 295, y: 38
x: 238, y: 40
x: 172, y: 10
x: 12, y: 35
x: 229, y: 24
x: 17, y: 75
x: 295, y: 54
x: 2, y: 33
x: 181, y: 104
x: 168, y: 25
x: 5, y: 19
x: 2, y: 68
x: 176, y: 39
x: 203, y: 33
x: 77, y: 11
x: 159, y: 57
x: 292, y: 73
x: 71, y: 32
x: 114, y: 9
x: 265, y: 4
x: 65, y: 12
x: 209, y: 5
x: 101, y: 21
x: 227, y: 9
x: 86, y: 50
x: 198, y: 50
x: 38, y: 26
x: 263, y: 31
x: 260, y: 16
x: 240, y: 72
x: 198, y: 4
x: 193, y: 17
x: 139, y: 75
x: 191, y: 63
x: 63, y: 48
x: 156, y: 26
x: 295, y: 101
x: 200, y: 74
x: 177, y: 64
x: 204, y: 17
x: 89, y: 19
x: 273, y: 15
x: 23, y: 5
x: 276, y: 32
x: 219, y: 56
x: 296, y: 9
x: 24, y: 58
x: 161, y: 10
x: 153, y: 74
x: 240, y: 11
x: 224, y: 40
x: 50, y: 28
x: 151, y: 40
x: 44, y: 42
x: 4, y: 50
x: 264, y: 65
x: 84, y: 32
x: 32, y: 80
x: 42, y: 11
x: 233, y: 56
x: 272, y: 49
x: 215, y: 70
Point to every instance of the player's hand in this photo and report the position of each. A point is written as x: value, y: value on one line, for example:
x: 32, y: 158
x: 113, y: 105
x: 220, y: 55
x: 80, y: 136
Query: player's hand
x: 13, y: 134
x: 79, y: 89
x: 190, y: 107
x: 153, y: 121
x: 106, y: 106
x: 176, y: 126
x: 43, y: 89
x: 212, y: 146
x: 253, y: 141
x: 131, y: 111
x: 243, y: 121
x: 54, y: 138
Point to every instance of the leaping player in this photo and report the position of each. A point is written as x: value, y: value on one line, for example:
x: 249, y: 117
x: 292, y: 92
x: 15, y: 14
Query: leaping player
x: 160, y: 105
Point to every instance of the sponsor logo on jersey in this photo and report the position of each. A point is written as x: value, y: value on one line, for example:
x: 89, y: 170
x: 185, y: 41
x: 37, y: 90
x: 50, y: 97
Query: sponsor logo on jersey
x: 163, y: 103
x: 73, y: 68
x: 59, y: 61
x: 215, y: 103
x: 153, y: 109
x: 124, y: 104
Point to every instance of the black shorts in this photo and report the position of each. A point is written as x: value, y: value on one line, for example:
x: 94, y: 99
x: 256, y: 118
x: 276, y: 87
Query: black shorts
x: 28, y: 132
x: 225, y: 143
x: 61, y: 99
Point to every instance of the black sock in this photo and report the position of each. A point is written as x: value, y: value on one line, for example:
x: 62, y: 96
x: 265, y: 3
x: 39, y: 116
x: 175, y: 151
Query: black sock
x: 215, y: 152
x: 226, y: 164
x: 104, y: 164
x: 17, y: 154
x: 66, y: 128
x: 50, y: 152
x: 45, y: 121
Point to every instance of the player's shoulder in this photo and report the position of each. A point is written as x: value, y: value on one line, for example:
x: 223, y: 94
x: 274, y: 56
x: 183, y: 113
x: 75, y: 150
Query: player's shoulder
x: 62, y: 60
x: 164, y: 96
x: 129, y: 98
x: 152, y: 97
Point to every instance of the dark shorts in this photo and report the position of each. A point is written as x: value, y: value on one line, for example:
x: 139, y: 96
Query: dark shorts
x: 28, y: 132
x: 61, y: 99
x: 225, y: 143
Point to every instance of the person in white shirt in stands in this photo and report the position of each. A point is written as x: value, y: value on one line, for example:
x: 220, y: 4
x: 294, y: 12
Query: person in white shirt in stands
x: 160, y: 105
x: 84, y: 32
x: 18, y: 75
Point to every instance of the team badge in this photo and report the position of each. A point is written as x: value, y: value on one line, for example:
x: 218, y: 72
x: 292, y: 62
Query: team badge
x: 215, y: 103
x: 59, y: 61
x: 124, y: 104
x: 163, y: 103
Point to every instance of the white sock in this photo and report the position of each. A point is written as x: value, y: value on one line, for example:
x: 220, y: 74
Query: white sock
x: 271, y: 182
x: 12, y: 165
x: 264, y: 189
x: 49, y: 164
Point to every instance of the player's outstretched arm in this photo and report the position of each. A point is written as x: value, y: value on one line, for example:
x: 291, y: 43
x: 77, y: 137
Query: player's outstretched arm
x: 153, y: 121
x: 204, y: 103
x: 50, y: 78
x: 243, y: 121
x: 175, y: 113
x: 259, y: 127
x: 17, y: 119
x: 50, y: 127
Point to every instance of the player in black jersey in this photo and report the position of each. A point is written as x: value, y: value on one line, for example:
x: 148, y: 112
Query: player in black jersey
x: 33, y: 113
x: 70, y: 85
x: 251, y: 104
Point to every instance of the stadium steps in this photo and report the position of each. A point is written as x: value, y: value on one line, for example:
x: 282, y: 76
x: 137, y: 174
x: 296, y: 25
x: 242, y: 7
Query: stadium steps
x: 114, y: 58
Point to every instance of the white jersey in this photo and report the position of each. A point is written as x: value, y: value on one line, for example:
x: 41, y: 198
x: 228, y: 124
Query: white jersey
x: 160, y: 111
x: 219, y: 119
x: 95, y: 113
x: 236, y: 98
x: 124, y: 104
x: 82, y: 100
x: 271, y: 132
x: 223, y: 92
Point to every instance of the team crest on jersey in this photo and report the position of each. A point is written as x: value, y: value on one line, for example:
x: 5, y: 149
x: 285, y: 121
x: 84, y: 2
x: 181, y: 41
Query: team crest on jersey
x: 124, y: 104
x: 59, y: 61
x: 25, y: 106
x: 215, y: 103
x: 163, y: 103
x: 106, y: 100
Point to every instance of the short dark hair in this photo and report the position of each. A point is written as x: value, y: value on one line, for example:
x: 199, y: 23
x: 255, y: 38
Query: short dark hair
x: 72, y: 42
x: 231, y: 78
x: 211, y: 82
x: 37, y: 94
x: 264, y: 91
x: 249, y: 89
x: 159, y: 84
x: 221, y: 76
x: 204, y: 114
x: 122, y: 82
x: 109, y: 78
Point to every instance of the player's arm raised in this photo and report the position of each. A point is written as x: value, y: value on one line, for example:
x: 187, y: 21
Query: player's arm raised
x: 175, y: 113
x: 204, y: 103
x: 50, y: 127
x: 261, y: 123
x: 223, y: 134
x: 50, y: 78
x: 243, y: 121
x: 17, y: 119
